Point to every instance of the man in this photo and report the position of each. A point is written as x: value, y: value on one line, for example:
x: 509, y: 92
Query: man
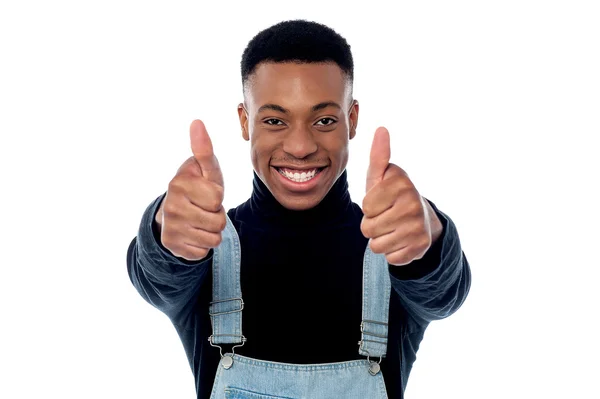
x: 303, y: 242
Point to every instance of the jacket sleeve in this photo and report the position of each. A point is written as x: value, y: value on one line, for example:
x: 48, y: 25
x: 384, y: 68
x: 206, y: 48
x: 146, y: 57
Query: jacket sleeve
x: 169, y: 283
x: 435, y: 286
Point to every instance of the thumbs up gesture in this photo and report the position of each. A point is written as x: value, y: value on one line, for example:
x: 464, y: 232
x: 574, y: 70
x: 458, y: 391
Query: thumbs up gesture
x: 399, y: 222
x: 191, y: 216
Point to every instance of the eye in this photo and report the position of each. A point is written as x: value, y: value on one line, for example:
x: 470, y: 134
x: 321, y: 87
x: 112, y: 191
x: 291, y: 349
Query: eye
x: 273, y: 122
x: 326, y: 121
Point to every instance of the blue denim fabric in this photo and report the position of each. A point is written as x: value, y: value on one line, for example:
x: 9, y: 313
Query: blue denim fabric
x: 227, y: 300
x: 259, y: 379
x: 375, y: 304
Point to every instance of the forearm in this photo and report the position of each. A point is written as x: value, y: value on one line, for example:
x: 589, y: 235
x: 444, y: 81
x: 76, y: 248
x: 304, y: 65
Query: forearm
x: 435, y: 286
x: 169, y: 283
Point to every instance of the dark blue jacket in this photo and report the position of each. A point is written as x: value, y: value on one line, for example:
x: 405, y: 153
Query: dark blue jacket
x: 301, y: 276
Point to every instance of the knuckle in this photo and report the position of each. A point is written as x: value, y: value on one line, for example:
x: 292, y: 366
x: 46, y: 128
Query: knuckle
x: 366, y: 207
x: 219, y: 193
x: 364, y: 227
x: 213, y: 198
x: 424, y: 247
x: 215, y: 240
x: 222, y: 223
x: 416, y: 208
x: 176, y: 184
x: 416, y: 226
x: 170, y: 208
x: 411, y: 254
x: 376, y: 247
x: 214, y: 205
x: 168, y: 242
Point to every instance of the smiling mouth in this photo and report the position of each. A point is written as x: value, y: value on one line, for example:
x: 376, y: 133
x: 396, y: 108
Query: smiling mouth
x: 299, y: 175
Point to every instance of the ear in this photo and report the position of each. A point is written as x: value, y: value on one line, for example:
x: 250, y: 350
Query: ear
x: 243, y: 115
x: 353, y: 118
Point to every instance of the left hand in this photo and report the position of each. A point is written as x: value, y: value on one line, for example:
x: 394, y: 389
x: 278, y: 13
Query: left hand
x: 399, y: 222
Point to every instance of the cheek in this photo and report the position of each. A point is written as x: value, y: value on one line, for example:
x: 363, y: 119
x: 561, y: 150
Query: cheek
x: 337, y: 146
x: 260, y: 151
x: 343, y: 158
x: 254, y: 158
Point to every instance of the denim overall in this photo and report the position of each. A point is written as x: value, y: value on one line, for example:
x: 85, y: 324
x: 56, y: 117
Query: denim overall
x: 240, y: 377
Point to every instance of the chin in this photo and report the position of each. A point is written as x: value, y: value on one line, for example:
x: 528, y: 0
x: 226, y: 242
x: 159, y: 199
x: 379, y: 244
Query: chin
x: 297, y: 196
x: 297, y: 204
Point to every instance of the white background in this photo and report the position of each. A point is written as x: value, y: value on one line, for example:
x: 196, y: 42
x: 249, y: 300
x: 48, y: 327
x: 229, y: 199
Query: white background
x: 494, y: 111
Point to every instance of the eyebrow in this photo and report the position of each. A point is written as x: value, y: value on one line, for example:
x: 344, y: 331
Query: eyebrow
x: 315, y: 108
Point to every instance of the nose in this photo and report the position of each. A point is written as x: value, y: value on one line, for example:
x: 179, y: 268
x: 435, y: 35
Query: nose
x: 300, y: 143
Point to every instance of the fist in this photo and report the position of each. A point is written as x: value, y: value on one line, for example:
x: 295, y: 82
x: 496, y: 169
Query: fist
x: 191, y: 216
x: 399, y: 222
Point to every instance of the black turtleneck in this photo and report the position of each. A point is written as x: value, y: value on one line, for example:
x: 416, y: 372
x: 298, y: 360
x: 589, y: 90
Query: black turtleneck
x: 301, y: 276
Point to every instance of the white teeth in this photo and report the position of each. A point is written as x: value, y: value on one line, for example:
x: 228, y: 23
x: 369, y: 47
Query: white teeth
x: 298, y: 177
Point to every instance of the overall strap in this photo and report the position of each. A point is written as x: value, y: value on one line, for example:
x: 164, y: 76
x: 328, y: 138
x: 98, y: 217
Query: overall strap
x: 227, y: 304
x: 375, y: 305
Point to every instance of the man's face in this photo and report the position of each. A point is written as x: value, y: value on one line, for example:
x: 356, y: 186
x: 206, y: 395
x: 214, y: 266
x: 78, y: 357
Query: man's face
x: 299, y: 119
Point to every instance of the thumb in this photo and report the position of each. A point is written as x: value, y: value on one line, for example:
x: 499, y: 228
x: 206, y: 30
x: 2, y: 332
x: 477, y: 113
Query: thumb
x: 380, y: 157
x: 203, y: 152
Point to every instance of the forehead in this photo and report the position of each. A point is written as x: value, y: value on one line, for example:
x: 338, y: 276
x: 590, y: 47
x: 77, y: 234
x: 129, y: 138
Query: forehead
x: 294, y: 83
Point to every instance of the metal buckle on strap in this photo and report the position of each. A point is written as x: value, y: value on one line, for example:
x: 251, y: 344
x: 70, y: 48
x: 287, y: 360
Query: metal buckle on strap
x: 370, y: 340
x: 362, y: 328
x: 227, y: 359
x: 374, y: 367
x: 210, y: 339
x: 229, y: 311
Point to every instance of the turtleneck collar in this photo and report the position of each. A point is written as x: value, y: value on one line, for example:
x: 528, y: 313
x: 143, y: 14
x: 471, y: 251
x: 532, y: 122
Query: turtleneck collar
x: 267, y: 209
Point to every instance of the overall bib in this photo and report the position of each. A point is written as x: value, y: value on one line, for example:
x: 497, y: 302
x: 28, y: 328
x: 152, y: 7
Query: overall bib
x: 240, y: 377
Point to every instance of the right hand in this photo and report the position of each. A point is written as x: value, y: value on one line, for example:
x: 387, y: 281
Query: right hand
x: 191, y: 216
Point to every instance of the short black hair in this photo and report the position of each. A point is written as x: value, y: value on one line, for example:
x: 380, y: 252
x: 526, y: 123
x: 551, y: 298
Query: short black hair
x: 297, y: 41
